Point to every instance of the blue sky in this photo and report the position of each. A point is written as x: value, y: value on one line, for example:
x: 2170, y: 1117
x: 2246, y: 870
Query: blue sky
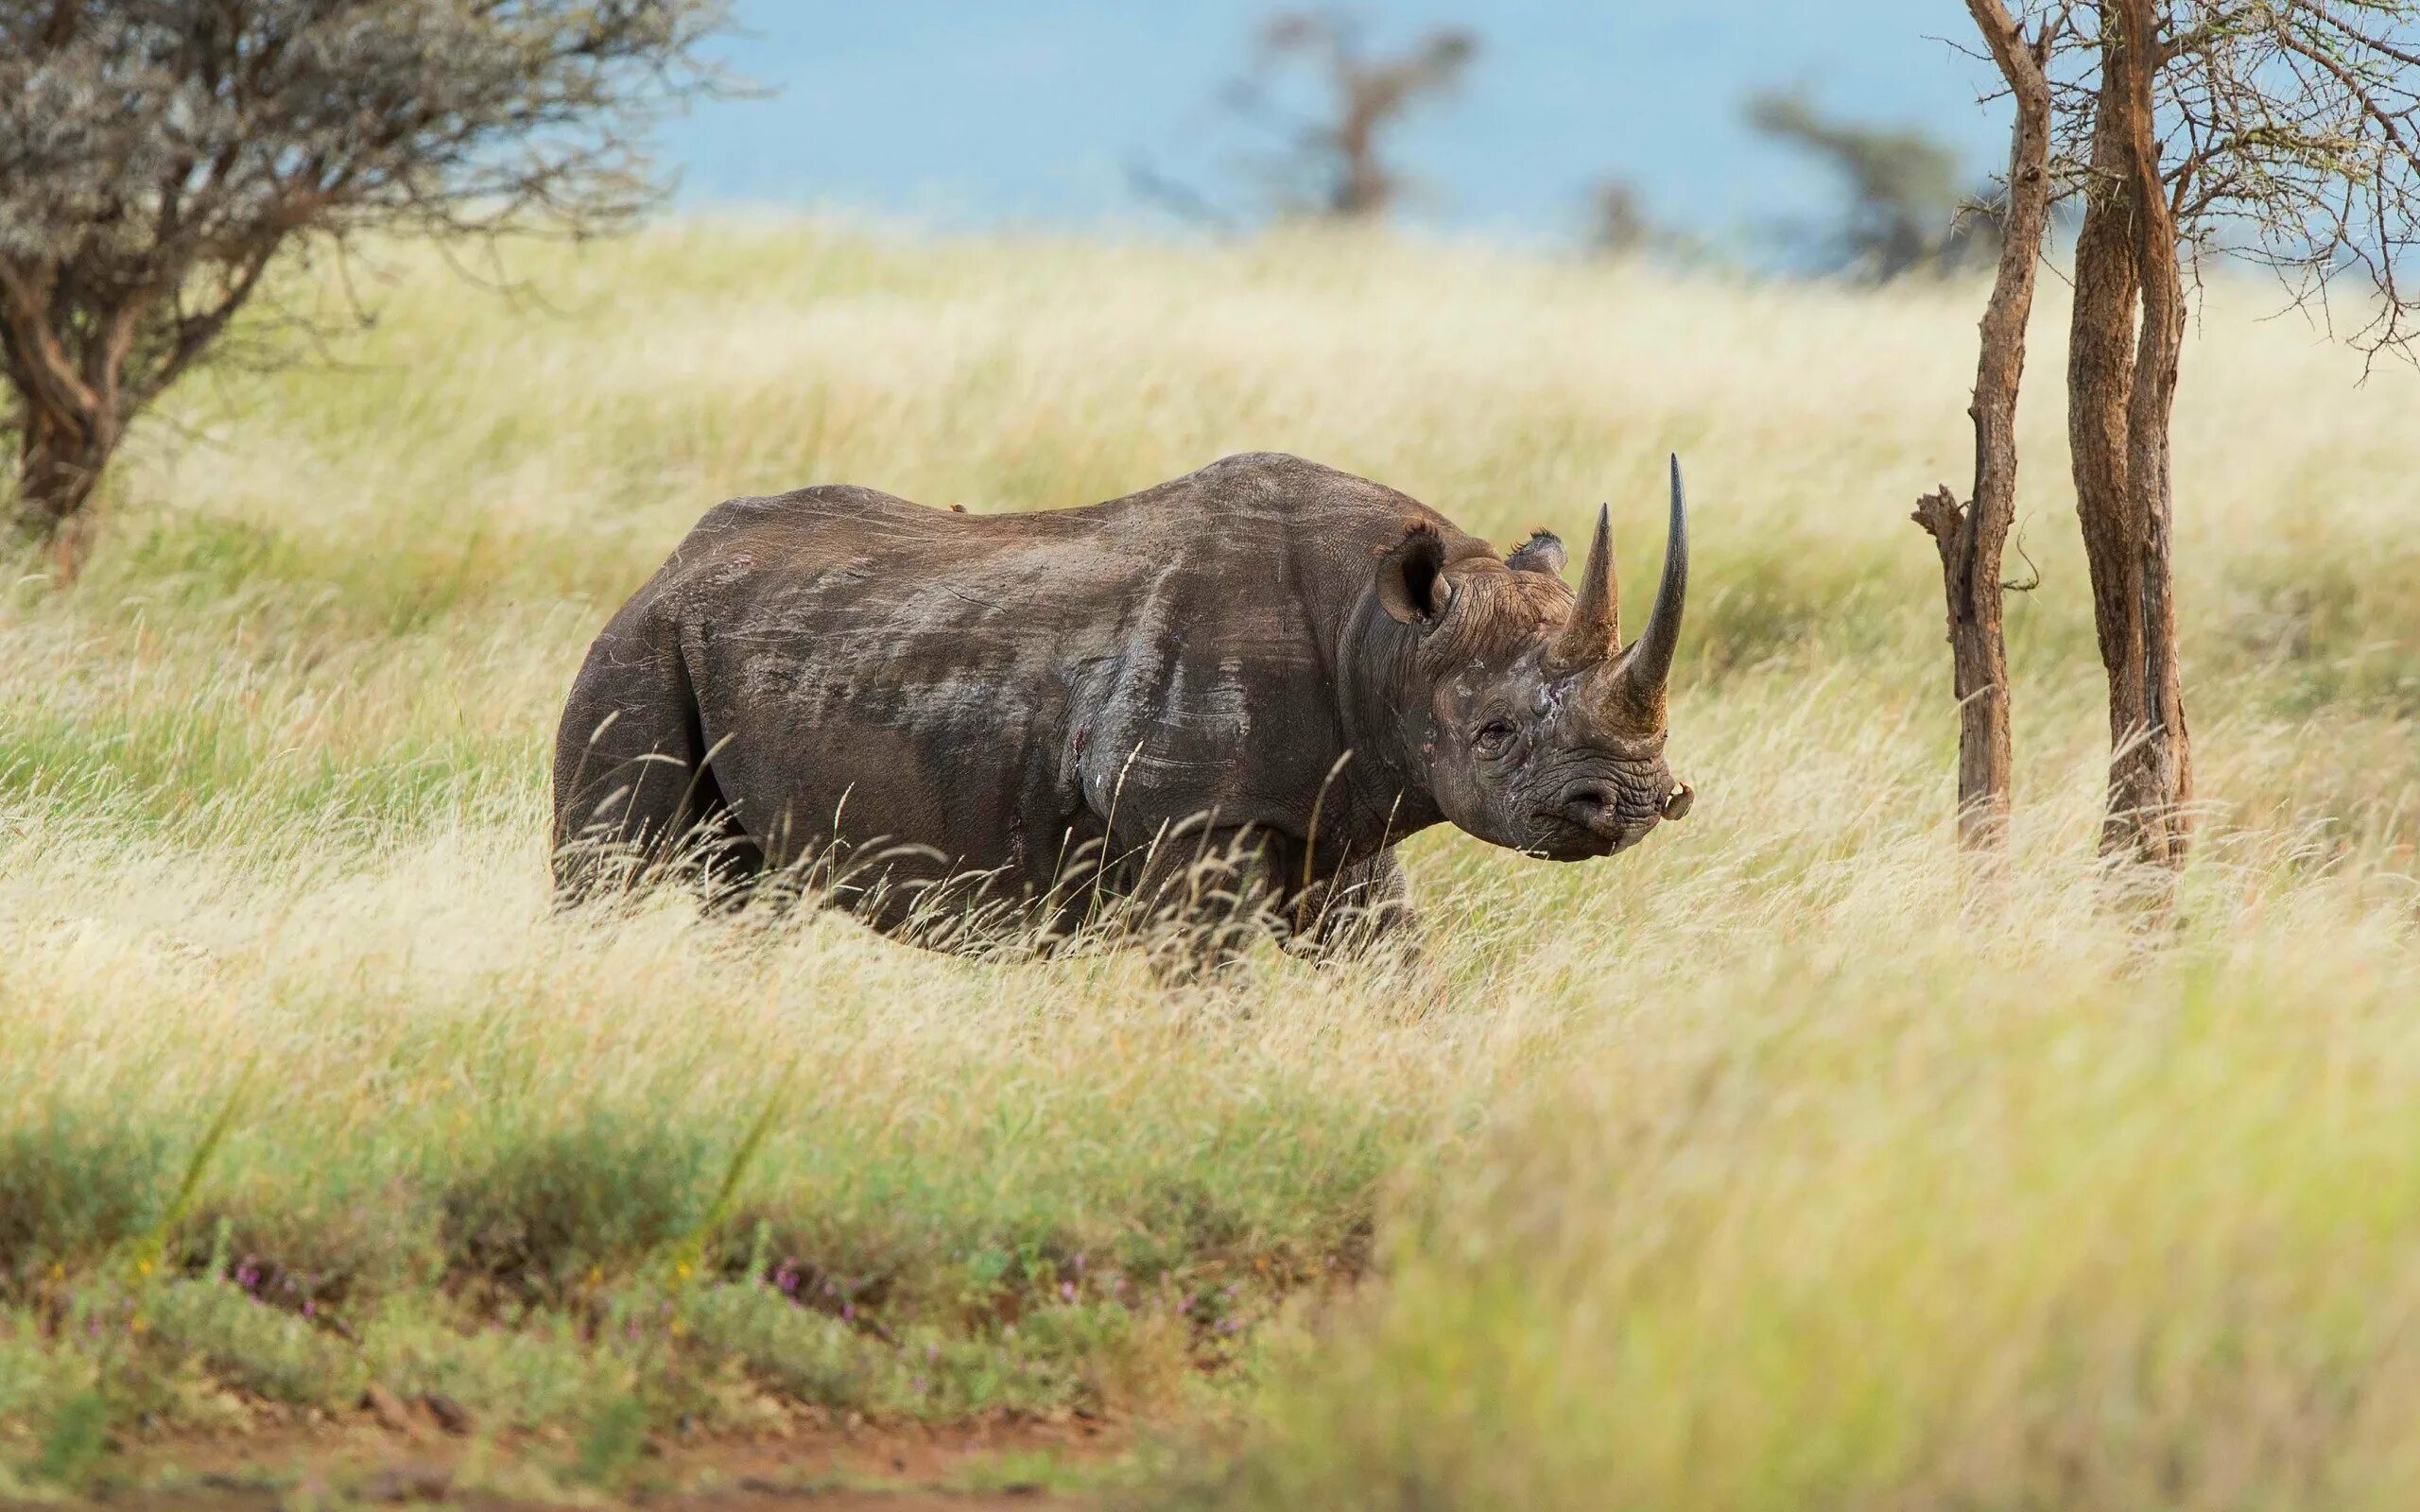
x: 977, y: 112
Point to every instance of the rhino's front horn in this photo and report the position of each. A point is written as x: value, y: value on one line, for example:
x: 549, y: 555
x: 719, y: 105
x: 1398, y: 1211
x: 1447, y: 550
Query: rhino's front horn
x: 1594, y: 632
x: 1643, y: 669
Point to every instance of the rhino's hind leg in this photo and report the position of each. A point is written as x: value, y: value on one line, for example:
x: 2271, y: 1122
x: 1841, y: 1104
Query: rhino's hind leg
x: 635, y: 796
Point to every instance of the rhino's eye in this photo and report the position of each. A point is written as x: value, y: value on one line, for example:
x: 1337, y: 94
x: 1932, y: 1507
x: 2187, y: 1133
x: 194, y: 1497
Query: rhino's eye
x: 1496, y: 738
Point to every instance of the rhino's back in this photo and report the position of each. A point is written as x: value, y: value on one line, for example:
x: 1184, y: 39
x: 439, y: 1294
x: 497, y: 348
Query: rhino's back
x: 1265, y: 507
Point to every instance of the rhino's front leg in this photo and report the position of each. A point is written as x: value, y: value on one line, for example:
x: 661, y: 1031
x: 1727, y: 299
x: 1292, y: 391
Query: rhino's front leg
x: 1201, y: 900
x: 1363, y: 913
x: 1202, y: 897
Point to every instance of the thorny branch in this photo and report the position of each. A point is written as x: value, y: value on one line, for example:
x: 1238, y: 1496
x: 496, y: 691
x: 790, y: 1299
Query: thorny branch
x: 2290, y: 137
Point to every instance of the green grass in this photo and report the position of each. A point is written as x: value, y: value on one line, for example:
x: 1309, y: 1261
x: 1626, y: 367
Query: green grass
x: 1999, y: 1243
x: 1776, y: 1165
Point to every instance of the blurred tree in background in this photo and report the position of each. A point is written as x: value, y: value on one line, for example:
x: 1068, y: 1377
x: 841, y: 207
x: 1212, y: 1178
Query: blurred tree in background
x: 1337, y: 165
x: 1618, y: 223
x: 156, y: 157
x: 1904, y: 208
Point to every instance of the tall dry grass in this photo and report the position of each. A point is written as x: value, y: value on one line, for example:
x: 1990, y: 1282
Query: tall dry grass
x: 1771, y: 1164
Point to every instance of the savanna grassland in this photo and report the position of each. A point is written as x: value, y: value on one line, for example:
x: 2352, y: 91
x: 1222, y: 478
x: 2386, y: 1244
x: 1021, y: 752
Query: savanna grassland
x: 1776, y: 1165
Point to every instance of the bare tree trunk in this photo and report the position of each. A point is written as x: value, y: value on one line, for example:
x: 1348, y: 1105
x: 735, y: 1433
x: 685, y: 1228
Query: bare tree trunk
x: 1363, y: 190
x: 59, y: 465
x: 1971, y: 539
x: 2121, y: 390
x: 71, y: 405
x: 2160, y: 756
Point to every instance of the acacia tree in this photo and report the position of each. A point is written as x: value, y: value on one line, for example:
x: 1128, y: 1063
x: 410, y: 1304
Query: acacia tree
x: 2284, y: 130
x: 157, y: 156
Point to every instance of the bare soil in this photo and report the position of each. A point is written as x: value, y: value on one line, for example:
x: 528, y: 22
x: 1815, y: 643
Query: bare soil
x: 817, y: 1465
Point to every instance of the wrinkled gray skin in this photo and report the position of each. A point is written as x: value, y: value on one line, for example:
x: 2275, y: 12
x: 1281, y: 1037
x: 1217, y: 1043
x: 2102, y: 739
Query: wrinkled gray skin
x: 1046, y: 709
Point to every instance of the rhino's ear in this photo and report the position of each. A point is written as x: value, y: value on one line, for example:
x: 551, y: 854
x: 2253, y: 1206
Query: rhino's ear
x: 1542, y: 552
x: 1411, y: 576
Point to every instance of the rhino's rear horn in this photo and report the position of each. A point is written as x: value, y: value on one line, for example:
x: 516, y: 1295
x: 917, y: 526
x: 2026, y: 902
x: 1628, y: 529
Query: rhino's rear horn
x: 1594, y: 632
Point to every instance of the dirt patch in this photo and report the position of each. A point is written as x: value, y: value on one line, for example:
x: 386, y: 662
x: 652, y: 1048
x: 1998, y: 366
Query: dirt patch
x: 373, y: 1459
x: 738, y: 1499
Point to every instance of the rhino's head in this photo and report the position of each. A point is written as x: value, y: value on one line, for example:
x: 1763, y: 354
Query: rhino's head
x: 1540, y: 731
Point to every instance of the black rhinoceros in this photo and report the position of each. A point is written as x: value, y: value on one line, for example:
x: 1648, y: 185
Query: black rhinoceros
x: 1267, y: 659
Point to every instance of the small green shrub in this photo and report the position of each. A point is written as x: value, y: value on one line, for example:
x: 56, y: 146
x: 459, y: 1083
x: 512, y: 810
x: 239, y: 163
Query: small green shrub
x: 540, y: 1373
x: 611, y: 1442
x: 541, y: 1209
x: 805, y: 1354
x: 74, y: 1441
x: 266, y: 1351
x: 70, y: 1190
x: 329, y: 1243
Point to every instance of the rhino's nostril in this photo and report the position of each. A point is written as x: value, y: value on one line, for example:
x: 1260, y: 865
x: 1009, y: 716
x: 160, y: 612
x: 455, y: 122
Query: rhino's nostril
x: 1591, y: 803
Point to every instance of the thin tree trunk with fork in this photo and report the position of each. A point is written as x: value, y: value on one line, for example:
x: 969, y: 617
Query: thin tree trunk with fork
x: 1971, y: 537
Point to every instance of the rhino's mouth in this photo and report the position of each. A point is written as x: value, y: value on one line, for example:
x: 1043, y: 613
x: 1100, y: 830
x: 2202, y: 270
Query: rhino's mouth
x: 1595, y: 833
x: 1563, y: 839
